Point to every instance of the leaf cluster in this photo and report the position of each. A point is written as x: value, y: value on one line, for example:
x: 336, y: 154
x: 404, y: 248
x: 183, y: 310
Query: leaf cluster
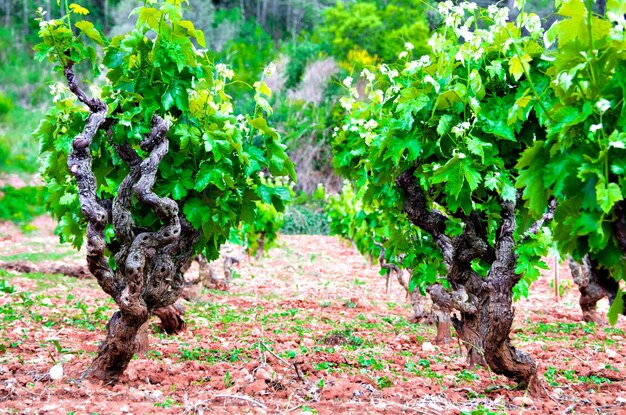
x: 261, y: 234
x: 580, y: 160
x: 459, y: 117
x: 216, y: 156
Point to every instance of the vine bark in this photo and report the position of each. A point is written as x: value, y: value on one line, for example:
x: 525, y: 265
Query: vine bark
x: 484, y: 305
x: 149, y: 264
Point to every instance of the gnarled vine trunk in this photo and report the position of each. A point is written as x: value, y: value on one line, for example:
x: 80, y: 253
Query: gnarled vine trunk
x: 485, y: 306
x: 590, y: 289
x: 594, y: 283
x: 171, y: 317
x: 149, y: 264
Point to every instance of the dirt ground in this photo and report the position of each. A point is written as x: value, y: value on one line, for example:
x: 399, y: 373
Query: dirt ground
x: 308, y: 328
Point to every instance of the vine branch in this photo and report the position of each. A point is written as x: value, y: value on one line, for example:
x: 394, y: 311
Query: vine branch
x: 79, y: 163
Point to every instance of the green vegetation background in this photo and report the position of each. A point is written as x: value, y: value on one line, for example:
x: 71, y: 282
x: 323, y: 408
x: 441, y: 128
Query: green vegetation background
x: 311, y: 46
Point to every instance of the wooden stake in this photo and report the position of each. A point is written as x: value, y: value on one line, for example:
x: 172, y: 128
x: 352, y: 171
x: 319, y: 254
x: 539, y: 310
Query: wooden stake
x: 557, y: 295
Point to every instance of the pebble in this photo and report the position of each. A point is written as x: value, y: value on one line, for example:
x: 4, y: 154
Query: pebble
x: 56, y: 372
x: 523, y: 401
x: 263, y: 374
x: 428, y: 347
x: 49, y: 408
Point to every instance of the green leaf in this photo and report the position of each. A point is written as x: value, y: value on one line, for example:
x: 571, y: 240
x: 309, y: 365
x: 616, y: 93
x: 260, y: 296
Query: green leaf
x: 608, y: 195
x: 517, y: 65
x: 195, y: 33
x: 209, y: 174
x: 90, y: 31
x: 150, y: 17
x: 492, y: 117
x: 450, y: 97
x: 452, y: 173
x: 68, y: 199
x: 617, y: 307
x: 531, y: 177
x: 471, y: 174
x: 167, y: 100
x: 445, y: 124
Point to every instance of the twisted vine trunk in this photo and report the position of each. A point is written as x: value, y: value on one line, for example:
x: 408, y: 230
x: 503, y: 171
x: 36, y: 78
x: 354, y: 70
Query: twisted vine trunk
x: 587, y: 278
x: 485, y: 305
x: 260, y: 246
x: 594, y: 283
x: 149, y: 264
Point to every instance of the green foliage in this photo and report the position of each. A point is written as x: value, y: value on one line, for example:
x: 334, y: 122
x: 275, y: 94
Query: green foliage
x: 20, y: 205
x: 305, y: 216
x: 301, y: 53
x: 380, y: 30
x: 261, y: 234
x: 350, y: 217
x: 215, y: 157
x: 248, y: 53
x: 580, y: 160
x: 6, y: 105
x: 460, y: 118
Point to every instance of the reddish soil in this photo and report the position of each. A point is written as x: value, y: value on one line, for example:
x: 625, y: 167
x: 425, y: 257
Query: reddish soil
x: 340, y: 345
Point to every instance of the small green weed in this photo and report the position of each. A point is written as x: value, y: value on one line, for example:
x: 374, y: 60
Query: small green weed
x: 167, y: 403
x: 481, y: 410
x: 228, y: 381
x: 6, y: 288
x: 467, y: 376
x: 422, y: 368
x: 383, y: 382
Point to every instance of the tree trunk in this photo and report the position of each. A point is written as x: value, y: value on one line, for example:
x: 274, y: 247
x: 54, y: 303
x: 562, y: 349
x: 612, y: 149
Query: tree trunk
x: 594, y: 283
x: 7, y: 13
x: 229, y: 262
x: 416, y: 299
x: 443, y: 324
x: 209, y: 278
x: 590, y: 290
x: 171, y: 318
x: 388, y: 282
x: 118, y: 348
x: 417, y: 303
x: 260, y: 246
x: 485, y: 305
x: 150, y: 264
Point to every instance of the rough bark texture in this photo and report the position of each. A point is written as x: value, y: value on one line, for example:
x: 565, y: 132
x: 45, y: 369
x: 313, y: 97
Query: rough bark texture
x: 443, y: 324
x: 208, y: 277
x: 150, y: 264
x: 171, y: 318
x: 417, y: 303
x: 261, y: 246
x: 484, y: 305
x: 590, y: 290
x: 229, y: 262
x: 594, y: 283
